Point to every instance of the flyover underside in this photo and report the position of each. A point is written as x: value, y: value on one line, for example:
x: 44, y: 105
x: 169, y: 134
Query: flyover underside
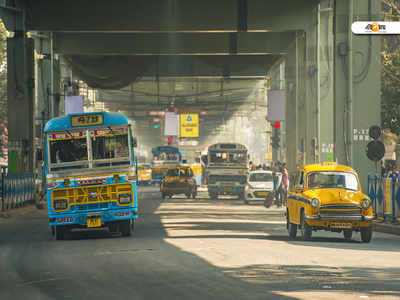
x: 326, y: 112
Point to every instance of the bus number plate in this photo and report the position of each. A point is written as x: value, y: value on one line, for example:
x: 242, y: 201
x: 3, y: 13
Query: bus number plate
x: 93, y: 222
x: 87, y: 120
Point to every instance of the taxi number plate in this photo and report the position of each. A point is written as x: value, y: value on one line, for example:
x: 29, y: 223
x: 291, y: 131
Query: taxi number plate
x: 263, y: 193
x: 227, y: 188
x: 341, y: 225
x: 93, y: 222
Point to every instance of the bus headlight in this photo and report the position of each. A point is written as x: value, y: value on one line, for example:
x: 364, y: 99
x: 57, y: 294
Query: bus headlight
x: 365, y: 203
x: 315, y: 203
x: 60, y: 204
x: 124, y: 198
x: 51, y: 184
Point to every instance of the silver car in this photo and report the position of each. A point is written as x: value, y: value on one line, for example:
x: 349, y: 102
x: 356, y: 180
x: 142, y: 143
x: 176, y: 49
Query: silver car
x: 259, y: 185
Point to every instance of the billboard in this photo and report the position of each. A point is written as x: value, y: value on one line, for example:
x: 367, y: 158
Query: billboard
x: 189, y: 125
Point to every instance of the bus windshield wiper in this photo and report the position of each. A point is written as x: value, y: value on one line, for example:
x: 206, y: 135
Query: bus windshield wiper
x: 70, y: 134
x: 111, y: 131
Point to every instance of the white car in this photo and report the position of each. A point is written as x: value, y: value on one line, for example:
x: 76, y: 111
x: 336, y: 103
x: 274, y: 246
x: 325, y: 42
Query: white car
x: 259, y: 185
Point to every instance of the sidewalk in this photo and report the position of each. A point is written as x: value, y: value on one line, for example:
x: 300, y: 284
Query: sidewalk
x: 386, y: 227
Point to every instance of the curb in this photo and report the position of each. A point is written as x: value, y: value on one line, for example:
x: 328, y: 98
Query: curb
x: 391, y: 228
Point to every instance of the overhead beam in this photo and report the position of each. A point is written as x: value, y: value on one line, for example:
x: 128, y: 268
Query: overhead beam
x: 170, y: 16
x: 252, y: 43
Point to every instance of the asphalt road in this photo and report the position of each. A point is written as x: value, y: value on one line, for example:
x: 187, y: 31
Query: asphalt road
x: 194, y: 249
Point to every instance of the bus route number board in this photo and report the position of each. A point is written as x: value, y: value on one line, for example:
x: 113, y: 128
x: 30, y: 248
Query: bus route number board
x: 87, y: 120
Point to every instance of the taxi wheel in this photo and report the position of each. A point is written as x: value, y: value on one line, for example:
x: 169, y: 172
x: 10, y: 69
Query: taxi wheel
x: 306, y: 230
x: 292, y: 228
x: 125, y: 228
x: 366, y: 234
x: 348, y: 233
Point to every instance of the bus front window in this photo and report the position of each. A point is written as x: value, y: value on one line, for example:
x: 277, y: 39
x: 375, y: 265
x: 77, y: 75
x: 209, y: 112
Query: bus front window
x: 68, y: 150
x: 110, y: 147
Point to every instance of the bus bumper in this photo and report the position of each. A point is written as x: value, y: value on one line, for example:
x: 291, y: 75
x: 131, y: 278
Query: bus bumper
x: 81, y: 219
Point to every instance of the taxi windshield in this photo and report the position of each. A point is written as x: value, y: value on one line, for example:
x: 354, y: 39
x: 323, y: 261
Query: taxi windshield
x: 329, y: 179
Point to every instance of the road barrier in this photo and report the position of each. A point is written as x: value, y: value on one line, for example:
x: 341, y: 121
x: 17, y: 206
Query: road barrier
x: 385, y: 196
x: 16, y: 190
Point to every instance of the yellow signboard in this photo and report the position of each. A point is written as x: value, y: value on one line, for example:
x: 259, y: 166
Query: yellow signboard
x: 189, y: 125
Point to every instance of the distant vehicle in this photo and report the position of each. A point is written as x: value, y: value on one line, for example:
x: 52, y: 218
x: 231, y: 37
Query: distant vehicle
x: 163, y: 157
x: 144, y: 174
x: 259, y: 186
x: 90, y: 175
x: 328, y: 197
x: 226, y: 169
x: 179, y: 180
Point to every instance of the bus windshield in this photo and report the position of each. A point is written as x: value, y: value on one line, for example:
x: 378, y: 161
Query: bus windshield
x: 166, y: 157
x: 112, y: 148
x: 68, y: 150
x: 228, y: 157
x: 72, y: 151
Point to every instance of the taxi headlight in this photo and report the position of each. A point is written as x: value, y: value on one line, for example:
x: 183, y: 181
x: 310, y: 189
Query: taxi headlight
x: 124, y: 198
x: 315, y: 203
x: 365, y: 203
x: 60, y: 204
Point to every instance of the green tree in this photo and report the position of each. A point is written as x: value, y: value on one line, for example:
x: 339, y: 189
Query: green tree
x: 391, y: 76
x: 3, y: 89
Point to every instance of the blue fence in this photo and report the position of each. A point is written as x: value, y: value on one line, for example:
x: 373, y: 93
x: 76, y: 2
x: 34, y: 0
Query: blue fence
x: 385, y: 195
x: 16, y: 190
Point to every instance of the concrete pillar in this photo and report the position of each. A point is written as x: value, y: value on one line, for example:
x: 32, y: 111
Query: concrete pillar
x: 20, y: 89
x: 357, y: 84
x: 43, y: 71
x: 324, y: 102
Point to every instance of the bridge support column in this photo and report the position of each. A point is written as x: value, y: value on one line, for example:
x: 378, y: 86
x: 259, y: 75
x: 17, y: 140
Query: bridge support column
x: 357, y: 84
x: 21, y: 108
x: 295, y: 103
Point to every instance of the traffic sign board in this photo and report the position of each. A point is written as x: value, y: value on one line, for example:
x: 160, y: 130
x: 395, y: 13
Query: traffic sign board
x: 189, y: 125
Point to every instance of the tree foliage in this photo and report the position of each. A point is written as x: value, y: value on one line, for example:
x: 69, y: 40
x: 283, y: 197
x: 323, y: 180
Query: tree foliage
x: 391, y: 71
x: 3, y: 89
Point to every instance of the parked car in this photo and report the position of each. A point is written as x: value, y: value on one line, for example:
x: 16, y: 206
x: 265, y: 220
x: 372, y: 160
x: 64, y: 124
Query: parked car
x: 179, y: 180
x: 328, y: 197
x: 259, y: 186
x: 144, y: 174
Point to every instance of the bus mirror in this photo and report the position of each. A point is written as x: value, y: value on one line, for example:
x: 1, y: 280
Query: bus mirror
x: 204, y: 159
x: 39, y: 154
x: 134, y: 142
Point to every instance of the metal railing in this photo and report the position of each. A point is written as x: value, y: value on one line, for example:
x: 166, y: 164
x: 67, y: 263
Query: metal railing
x: 16, y: 190
x: 385, y: 196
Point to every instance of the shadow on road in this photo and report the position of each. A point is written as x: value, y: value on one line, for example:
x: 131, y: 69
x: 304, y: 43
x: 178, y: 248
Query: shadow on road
x: 147, y: 265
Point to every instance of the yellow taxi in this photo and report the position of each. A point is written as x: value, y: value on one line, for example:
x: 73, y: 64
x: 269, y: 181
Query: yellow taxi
x: 328, y: 196
x: 144, y: 174
x: 179, y: 180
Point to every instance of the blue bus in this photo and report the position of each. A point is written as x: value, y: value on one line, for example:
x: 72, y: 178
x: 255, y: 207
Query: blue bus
x: 90, y: 173
x: 163, y: 157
